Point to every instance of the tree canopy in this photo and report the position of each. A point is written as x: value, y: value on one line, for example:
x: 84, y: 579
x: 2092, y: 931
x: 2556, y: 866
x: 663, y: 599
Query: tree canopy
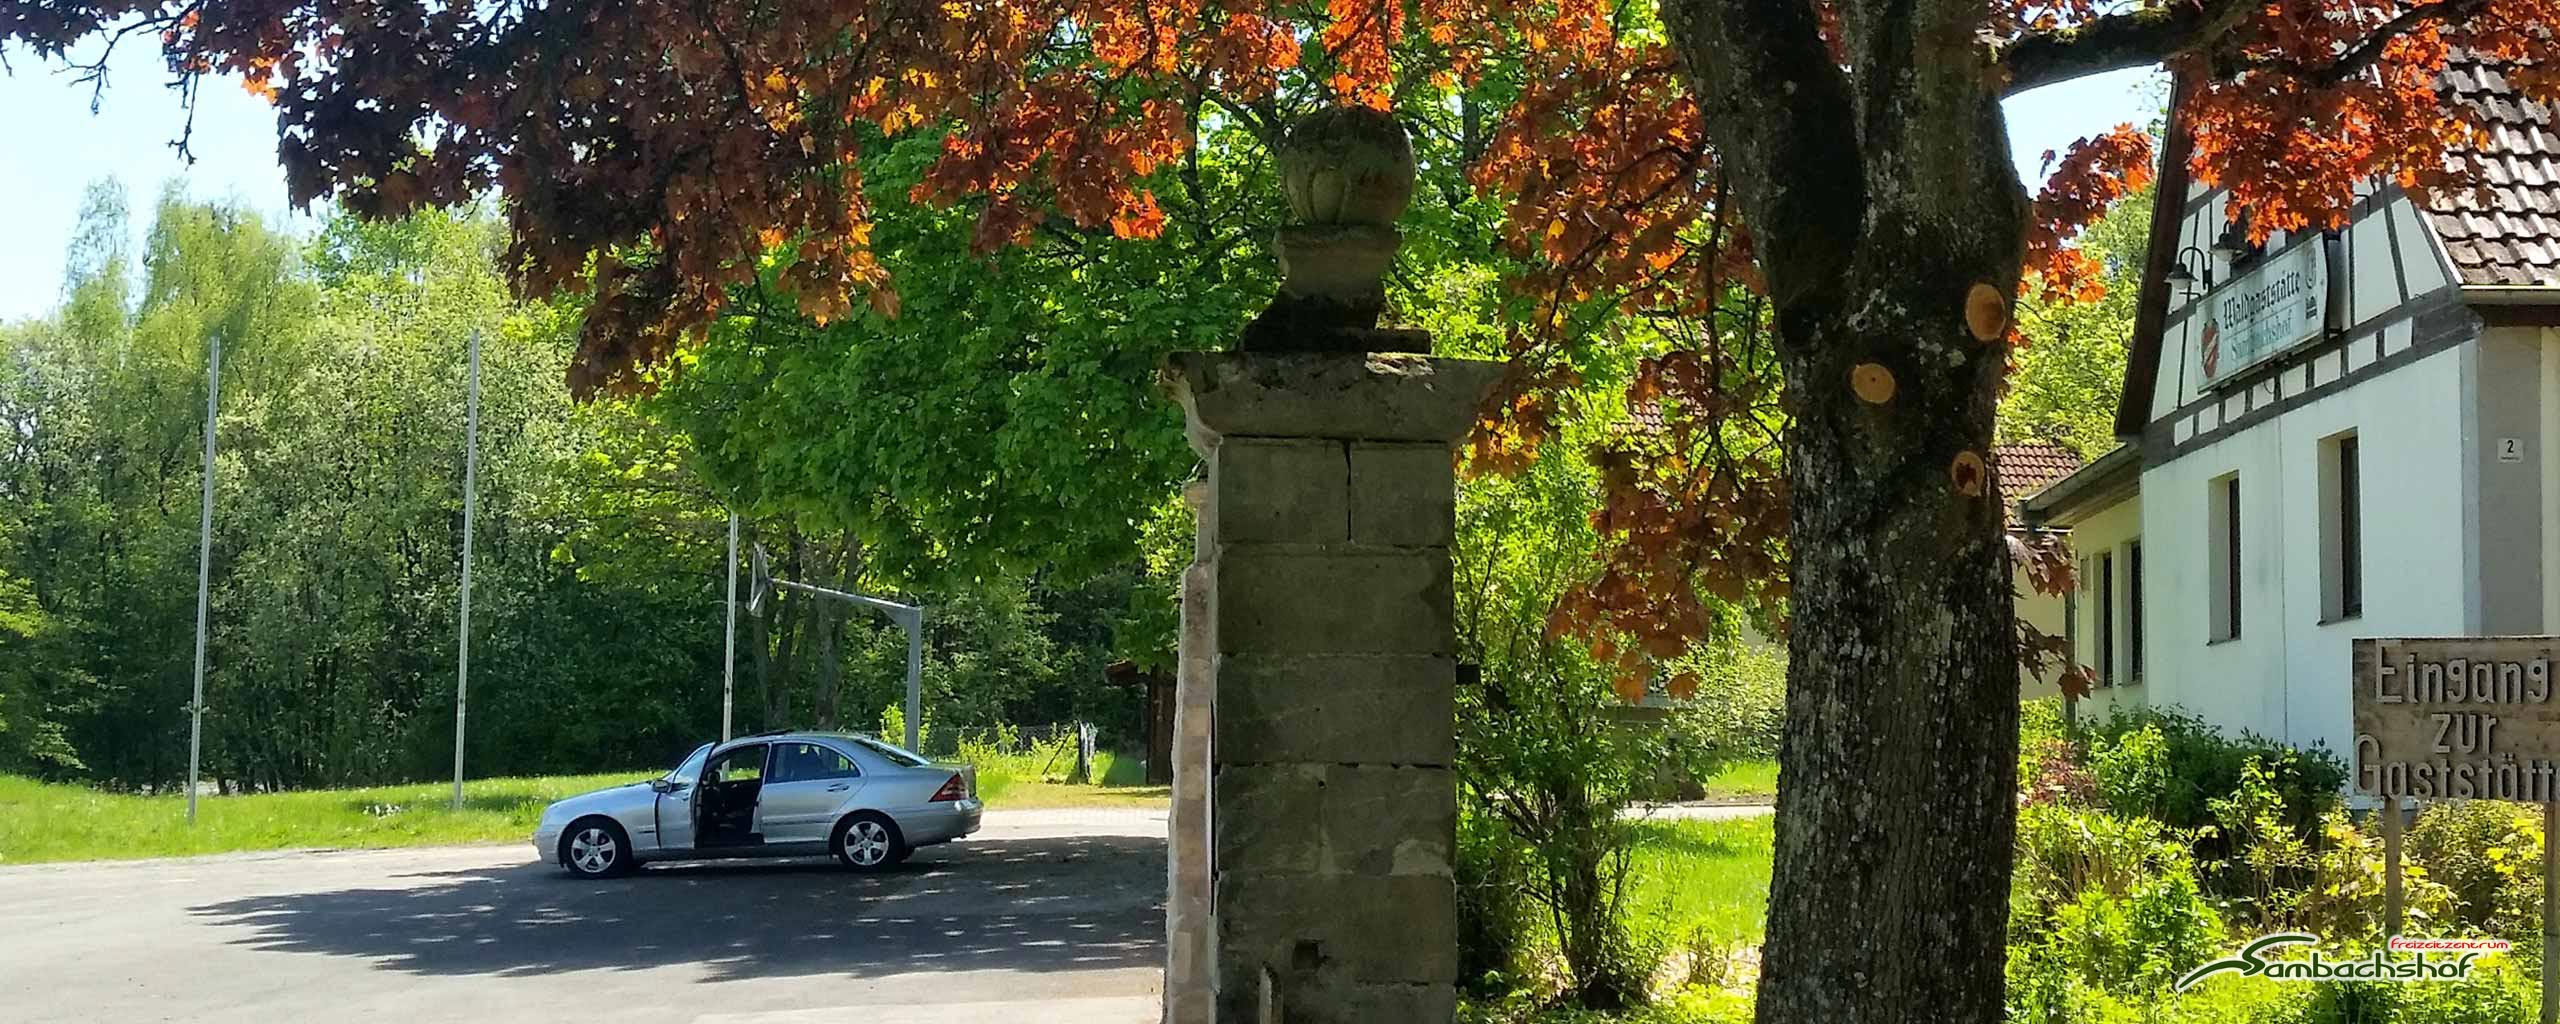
x: 1813, y: 192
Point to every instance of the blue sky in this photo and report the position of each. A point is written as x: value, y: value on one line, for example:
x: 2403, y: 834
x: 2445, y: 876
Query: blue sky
x: 41, y: 182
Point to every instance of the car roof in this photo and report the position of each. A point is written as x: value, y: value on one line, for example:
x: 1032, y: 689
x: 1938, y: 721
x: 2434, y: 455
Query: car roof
x: 787, y: 734
x: 859, y: 741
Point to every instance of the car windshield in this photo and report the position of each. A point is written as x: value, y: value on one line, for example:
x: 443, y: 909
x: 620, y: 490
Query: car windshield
x: 683, y: 774
x: 895, y: 753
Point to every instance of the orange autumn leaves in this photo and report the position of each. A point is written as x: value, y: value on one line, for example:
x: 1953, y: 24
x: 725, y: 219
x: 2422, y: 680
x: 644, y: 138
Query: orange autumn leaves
x: 2093, y: 176
x: 1612, y: 205
x: 2314, y: 100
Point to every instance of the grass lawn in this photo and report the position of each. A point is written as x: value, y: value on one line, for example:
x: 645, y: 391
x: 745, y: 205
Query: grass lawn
x: 1044, y: 795
x: 41, y: 821
x: 49, y: 822
x: 1754, y: 781
x: 1704, y: 877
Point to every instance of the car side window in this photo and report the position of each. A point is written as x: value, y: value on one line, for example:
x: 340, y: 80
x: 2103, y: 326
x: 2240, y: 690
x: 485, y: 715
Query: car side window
x: 809, y: 762
x: 745, y: 764
x: 685, y: 774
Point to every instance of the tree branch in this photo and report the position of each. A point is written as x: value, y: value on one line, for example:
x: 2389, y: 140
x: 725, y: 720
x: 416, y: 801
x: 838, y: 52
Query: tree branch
x: 2115, y: 42
x: 2365, y: 53
x: 1778, y: 110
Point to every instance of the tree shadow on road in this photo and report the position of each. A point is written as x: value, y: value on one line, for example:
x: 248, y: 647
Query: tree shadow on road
x: 1060, y: 904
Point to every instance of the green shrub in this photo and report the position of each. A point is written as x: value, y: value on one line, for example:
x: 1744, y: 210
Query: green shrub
x: 893, y: 727
x: 2040, y: 720
x: 2488, y: 855
x: 2106, y: 913
x: 2251, y: 808
x: 1003, y: 757
x: 1494, y: 922
x: 1116, y: 769
x: 1740, y: 710
x: 2192, y: 764
x: 1687, y: 1006
x: 2139, y: 942
x: 2495, y: 993
x: 2342, y: 899
x: 2064, y: 851
x: 2051, y: 770
x: 2132, y: 772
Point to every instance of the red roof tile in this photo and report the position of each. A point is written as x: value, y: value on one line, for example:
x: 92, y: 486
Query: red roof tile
x: 2026, y: 468
x: 2505, y: 232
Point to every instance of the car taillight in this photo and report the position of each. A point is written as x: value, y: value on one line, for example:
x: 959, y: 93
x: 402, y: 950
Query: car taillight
x: 952, y: 790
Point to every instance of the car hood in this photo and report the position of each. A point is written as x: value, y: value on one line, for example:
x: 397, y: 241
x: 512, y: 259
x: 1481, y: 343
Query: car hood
x: 609, y: 800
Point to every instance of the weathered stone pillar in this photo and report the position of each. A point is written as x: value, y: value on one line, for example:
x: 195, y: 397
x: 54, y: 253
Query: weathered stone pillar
x: 1323, y: 630
x: 1191, y: 940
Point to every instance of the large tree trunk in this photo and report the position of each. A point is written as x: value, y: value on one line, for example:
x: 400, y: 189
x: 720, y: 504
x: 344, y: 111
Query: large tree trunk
x: 1897, y: 794
x: 1882, y: 209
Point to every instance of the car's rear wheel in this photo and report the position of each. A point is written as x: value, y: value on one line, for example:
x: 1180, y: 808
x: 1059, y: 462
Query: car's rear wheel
x: 870, y: 842
x: 595, y: 848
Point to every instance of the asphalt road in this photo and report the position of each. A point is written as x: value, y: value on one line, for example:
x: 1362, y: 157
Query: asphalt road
x: 1052, y: 917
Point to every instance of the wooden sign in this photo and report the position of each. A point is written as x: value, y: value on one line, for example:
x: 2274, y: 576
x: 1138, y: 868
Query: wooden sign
x: 2462, y: 718
x: 2458, y: 718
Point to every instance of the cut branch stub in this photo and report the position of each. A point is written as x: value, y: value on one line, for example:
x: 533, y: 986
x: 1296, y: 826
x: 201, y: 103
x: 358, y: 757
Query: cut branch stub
x: 1873, y: 383
x: 1986, y: 313
x: 1968, y: 474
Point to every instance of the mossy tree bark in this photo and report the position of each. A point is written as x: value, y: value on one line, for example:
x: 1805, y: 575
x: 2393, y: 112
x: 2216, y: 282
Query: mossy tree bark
x: 1880, y: 199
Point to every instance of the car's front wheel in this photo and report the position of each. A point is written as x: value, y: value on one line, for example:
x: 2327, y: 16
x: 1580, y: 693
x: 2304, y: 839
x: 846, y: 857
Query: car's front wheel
x: 595, y: 848
x: 870, y: 842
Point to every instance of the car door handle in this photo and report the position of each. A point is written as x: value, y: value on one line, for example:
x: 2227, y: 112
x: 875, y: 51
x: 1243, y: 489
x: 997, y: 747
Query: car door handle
x: 839, y: 787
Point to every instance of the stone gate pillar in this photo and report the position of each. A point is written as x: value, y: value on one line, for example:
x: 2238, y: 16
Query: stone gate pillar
x: 1312, y: 830
x: 1325, y: 642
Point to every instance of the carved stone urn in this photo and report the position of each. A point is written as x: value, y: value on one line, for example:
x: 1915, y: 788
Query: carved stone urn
x: 1349, y: 174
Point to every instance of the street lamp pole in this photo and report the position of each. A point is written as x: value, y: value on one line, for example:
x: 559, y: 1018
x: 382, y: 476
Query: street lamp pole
x: 910, y: 616
x: 729, y: 660
x: 204, y: 571
x: 470, y: 507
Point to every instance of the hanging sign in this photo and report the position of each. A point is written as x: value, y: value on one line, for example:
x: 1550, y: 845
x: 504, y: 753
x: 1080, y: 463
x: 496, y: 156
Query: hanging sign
x: 2279, y: 304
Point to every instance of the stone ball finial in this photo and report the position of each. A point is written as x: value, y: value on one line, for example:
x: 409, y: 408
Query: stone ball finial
x: 1347, y: 165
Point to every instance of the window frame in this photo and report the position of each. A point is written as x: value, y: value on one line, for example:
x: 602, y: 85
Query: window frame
x: 2350, y: 526
x: 764, y: 760
x: 2106, y: 610
x: 2224, y: 552
x: 2133, y: 611
x: 700, y: 759
x: 775, y: 777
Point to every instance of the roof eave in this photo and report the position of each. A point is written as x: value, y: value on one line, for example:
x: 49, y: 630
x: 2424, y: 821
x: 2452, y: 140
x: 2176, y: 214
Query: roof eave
x: 2512, y: 294
x: 2151, y: 308
x: 2101, y: 484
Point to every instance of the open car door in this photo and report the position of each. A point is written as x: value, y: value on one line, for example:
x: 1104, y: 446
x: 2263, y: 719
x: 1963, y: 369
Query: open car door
x: 724, y: 804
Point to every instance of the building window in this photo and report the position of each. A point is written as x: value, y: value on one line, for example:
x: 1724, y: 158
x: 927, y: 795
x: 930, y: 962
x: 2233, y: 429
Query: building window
x: 2106, y: 583
x: 2341, y: 529
x: 2071, y: 616
x: 2133, y: 611
x: 2224, y: 549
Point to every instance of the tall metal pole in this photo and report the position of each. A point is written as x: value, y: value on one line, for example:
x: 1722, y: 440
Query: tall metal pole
x: 204, y: 571
x: 915, y: 678
x: 729, y: 661
x: 470, y: 508
x: 910, y: 616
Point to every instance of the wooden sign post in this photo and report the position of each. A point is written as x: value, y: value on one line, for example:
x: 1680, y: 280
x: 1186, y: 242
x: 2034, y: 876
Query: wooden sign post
x: 2463, y: 718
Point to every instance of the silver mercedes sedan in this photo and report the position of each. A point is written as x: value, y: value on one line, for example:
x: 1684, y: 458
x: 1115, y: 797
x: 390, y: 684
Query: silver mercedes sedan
x: 785, y: 794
